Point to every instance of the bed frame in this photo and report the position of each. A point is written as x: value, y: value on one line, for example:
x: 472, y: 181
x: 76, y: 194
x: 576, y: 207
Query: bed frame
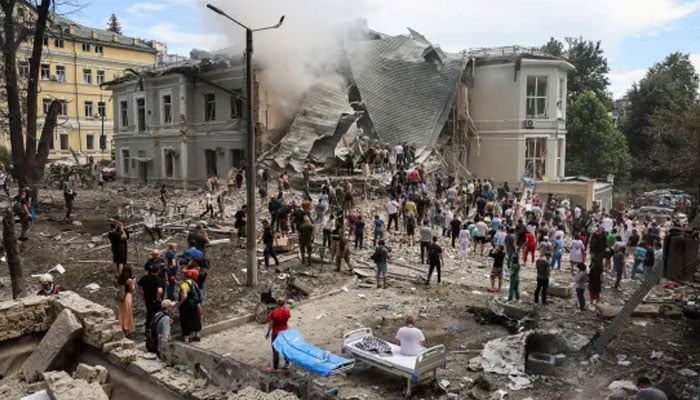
x: 425, y: 368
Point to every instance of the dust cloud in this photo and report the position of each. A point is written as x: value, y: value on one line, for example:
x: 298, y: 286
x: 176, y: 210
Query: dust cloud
x: 307, y: 45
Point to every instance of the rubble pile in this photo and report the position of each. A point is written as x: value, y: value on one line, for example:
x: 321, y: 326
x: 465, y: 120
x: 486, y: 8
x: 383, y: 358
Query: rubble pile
x: 249, y: 393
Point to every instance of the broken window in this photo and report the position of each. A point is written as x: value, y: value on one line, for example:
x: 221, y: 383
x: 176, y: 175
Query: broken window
x: 209, y: 107
x: 536, y: 97
x: 237, y: 105
x: 169, y: 163
x: 65, y: 142
x: 124, y: 109
x: 535, y: 157
x: 210, y: 162
x: 125, y: 162
x: 141, y: 114
x: 237, y: 158
x: 167, y: 109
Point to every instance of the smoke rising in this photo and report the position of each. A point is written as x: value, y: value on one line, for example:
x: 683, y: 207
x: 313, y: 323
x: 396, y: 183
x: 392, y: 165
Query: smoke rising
x: 308, y: 44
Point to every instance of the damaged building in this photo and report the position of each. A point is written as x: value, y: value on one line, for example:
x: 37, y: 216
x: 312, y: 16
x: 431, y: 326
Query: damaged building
x: 497, y: 113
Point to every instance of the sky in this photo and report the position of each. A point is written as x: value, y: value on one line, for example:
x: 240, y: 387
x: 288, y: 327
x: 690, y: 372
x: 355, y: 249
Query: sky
x: 635, y: 34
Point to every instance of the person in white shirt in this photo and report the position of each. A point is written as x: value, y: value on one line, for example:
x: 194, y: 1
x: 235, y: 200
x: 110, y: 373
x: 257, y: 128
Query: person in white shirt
x: 607, y: 223
x: 449, y: 216
x: 209, y: 206
x: 150, y: 225
x: 410, y: 338
x: 392, y: 208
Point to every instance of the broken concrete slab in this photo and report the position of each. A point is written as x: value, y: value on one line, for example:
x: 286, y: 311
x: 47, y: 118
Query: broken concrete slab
x: 62, y: 387
x: 91, y: 373
x: 563, y: 292
x: 642, y: 310
x: 62, y: 332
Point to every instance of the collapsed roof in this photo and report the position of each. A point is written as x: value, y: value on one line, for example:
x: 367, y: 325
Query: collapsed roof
x: 398, y: 89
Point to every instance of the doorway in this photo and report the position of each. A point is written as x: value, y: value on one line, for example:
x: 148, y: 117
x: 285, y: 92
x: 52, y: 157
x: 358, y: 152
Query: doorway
x: 210, y: 162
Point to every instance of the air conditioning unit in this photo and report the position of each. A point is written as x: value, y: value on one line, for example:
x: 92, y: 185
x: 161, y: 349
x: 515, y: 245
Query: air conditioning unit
x: 529, y: 124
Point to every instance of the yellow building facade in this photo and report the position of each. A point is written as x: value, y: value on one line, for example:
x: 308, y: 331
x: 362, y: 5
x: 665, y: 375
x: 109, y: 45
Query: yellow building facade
x: 75, y: 61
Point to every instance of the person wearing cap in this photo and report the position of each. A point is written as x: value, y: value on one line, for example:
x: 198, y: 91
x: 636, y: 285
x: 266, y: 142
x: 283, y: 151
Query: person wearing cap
x: 190, y: 307
x: 152, y: 286
x: 648, y: 392
x: 47, y: 286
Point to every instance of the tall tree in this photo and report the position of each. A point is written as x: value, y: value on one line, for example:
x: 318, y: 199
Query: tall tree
x: 554, y: 48
x: 29, y: 150
x: 113, y: 25
x: 594, y: 147
x: 590, y: 62
x: 675, y: 147
x: 670, y: 85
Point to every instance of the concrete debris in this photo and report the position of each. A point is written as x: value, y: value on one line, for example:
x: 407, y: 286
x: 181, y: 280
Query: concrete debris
x: 499, y: 394
x: 504, y: 356
x: 62, y: 387
x: 519, y: 383
x: 91, y: 373
x: 41, y: 395
x: 62, y: 332
x: 92, y: 287
x: 688, y: 373
x: 642, y: 310
x: 556, y: 290
x: 622, y: 385
x: 249, y: 393
x: 656, y: 355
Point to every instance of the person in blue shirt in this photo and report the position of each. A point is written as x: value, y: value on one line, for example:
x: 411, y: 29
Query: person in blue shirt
x: 558, y: 251
x: 378, y: 229
x: 640, y: 252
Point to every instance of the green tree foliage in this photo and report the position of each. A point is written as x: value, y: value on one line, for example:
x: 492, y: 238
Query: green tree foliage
x: 113, y: 25
x: 590, y: 62
x: 594, y: 147
x: 669, y: 86
x: 675, y: 147
x: 5, y: 157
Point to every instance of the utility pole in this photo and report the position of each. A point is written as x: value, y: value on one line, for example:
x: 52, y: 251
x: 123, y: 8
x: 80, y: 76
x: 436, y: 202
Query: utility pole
x: 251, y: 251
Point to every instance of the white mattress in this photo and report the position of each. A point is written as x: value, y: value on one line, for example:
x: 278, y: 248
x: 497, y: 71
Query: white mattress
x: 398, y: 360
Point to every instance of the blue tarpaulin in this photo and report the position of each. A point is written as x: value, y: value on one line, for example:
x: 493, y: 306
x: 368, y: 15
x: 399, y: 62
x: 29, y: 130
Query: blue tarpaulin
x: 293, y: 347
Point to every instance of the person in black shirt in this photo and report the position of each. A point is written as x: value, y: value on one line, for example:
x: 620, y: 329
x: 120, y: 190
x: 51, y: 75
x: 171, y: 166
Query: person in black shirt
x: 69, y: 197
x: 240, y: 223
x: 118, y: 238
x: 152, y: 286
x: 456, y: 226
x: 498, y: 254
x: 156, y: 262
x: 268, y: 239
x: 435, y: 259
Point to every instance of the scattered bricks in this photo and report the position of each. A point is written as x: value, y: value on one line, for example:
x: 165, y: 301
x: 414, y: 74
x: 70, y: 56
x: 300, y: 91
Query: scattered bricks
x: 541, y: 364
x: 127, y: 344
x: 108, y: 347
x: 559, y: 291
x: 63, y: 387
x: 91, y: 373
x: 24, y: 316
x: 64, y: 329
x: 124, y: 356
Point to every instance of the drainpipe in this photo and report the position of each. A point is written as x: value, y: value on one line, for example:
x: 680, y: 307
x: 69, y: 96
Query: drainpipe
x: 77, y: 102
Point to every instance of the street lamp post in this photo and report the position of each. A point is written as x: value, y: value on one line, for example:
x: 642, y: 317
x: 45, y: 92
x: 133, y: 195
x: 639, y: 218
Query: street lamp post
x: 252, y: 264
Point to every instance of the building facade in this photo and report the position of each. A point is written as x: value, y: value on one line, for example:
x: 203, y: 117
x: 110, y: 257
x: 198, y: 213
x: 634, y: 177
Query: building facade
x: 180, y: 124
x: 518, y: 104
x: 76, y: 61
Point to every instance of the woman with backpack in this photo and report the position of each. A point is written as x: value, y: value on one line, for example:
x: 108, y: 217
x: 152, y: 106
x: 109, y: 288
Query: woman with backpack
x: 125, y: 299
x: 190, y: 306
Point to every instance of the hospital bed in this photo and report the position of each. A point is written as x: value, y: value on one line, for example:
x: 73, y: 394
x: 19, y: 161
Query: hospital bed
x: 416, y: 369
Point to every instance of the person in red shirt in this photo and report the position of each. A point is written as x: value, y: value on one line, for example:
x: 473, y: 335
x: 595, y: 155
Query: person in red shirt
x: 278, y: 323
x: 530, y: 246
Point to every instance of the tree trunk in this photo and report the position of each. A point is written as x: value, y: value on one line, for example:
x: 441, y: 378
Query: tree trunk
x: 14, y: 262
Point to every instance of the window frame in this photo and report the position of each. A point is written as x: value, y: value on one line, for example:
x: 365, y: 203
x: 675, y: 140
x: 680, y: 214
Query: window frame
x: 102, y: 108
x: 45, y: 104
x: 123, y: 113
x: 60, y: 141
x: 59, y: 43
x: 539, y: 158
x: 137, y: 111
x: 209, y: 113
x: 535, y: 97
x: 88, y: 106
x: 237, y: 105
x: 87, y: 47
x: 61, y: 77
x: 87, y: 142
x: 168, y: 158
x: 63, y: 110
x: 46, y: 41
x: 162, y: 95
x: 45, y: 68
x: 99, y: 49
x: 100, y: 77
x: 87, y: 73
x: 23, y: 69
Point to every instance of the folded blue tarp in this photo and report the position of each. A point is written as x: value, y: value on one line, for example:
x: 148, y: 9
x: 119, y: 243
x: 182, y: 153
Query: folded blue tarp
x: 294, y: 348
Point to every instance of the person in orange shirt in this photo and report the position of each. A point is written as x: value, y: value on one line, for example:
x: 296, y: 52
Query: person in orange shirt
x: 278, y: 323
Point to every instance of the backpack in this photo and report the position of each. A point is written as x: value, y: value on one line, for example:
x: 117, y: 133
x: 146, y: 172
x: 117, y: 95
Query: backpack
x: 119, y: 293
x: 152, y: 334
x: 194, y: 297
